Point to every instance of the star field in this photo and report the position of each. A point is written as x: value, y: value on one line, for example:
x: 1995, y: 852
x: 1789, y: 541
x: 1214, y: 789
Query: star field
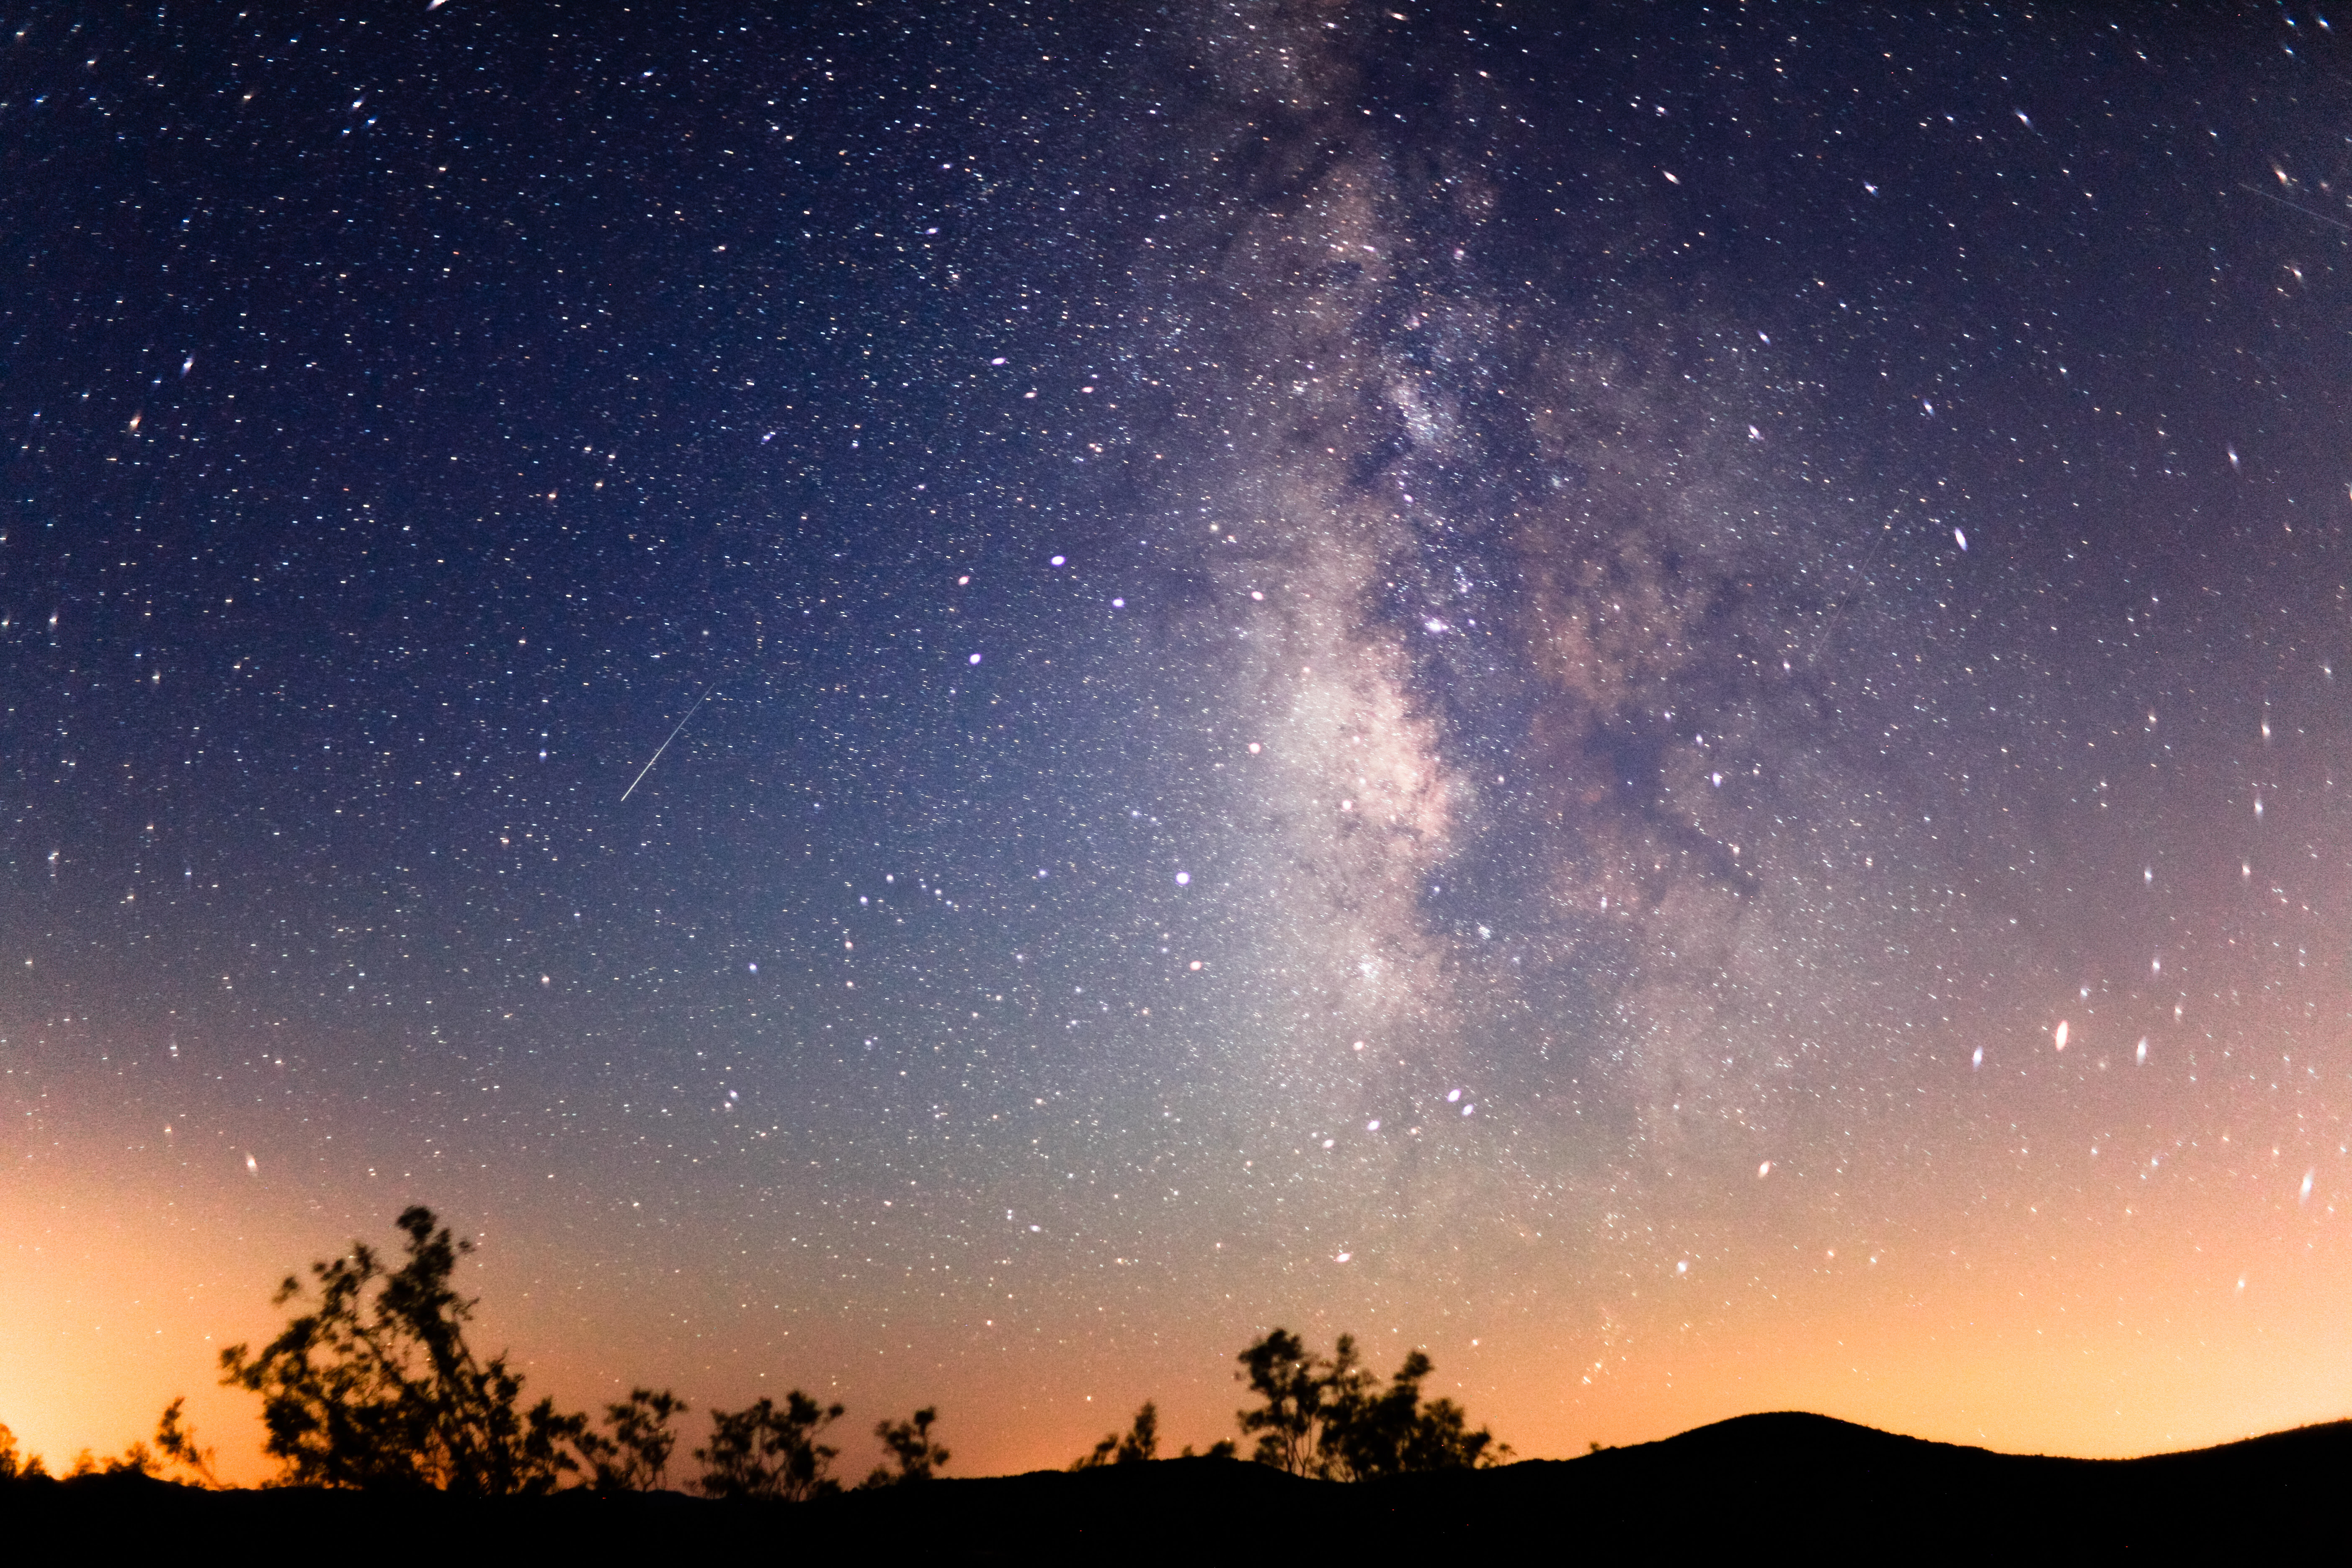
x: 955, y: 705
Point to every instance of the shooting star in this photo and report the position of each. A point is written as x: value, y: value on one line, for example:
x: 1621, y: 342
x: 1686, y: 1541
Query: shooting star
x: 1886, y: 532
x: 664, y: 747
x: 2296, y: 207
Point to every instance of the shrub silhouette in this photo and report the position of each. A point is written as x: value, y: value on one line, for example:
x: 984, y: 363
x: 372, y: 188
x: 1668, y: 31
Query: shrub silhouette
x: 1141, y: 1442
x: 1331, y: 1418
x: 635, y: 1457
x: 910, y: 1444
x: 16, y: 1467
x: 374, y: 1386
x: 764, y: 1452
x: 176, y: 1446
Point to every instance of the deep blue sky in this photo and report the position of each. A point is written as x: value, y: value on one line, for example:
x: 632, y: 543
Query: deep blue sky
x: 1677, y: 575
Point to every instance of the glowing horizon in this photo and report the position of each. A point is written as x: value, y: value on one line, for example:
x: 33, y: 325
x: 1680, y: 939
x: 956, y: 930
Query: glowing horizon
x: 955, y: 710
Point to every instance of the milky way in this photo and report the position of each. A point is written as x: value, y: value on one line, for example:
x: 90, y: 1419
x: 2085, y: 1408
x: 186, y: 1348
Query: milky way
x: 957, y: 706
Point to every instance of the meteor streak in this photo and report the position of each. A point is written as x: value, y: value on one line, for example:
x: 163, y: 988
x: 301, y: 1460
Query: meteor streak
x: 663, y: 747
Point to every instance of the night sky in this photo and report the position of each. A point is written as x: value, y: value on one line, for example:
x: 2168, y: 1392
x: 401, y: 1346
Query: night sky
x: 1652, y: 698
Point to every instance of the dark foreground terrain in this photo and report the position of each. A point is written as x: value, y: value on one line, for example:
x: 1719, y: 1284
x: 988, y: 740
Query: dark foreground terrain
x: 1786, y: 1483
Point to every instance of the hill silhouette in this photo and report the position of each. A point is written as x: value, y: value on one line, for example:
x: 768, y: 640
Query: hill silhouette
x: 1787, y: 1480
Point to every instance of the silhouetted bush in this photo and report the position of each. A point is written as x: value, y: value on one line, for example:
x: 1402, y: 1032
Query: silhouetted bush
x: 376, y: 1387
x: 634, y: 1457
x: 911, y: 1449
x: 1139, y: 1443
x: 176, y: 1447
x: 1331, y: 1418
x: 764, y: 1452
x: 15, y: 1467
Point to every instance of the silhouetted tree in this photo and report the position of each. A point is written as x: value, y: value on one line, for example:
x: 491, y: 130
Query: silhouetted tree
x: 1290, y: 1421
x: 635, y: 1456
x: 1442, y: 1440
x: 912, y: 1447
x: 1139, y: 1443
x: 764, y: 1452
x: 376, y: 1387
x: 1371, y: 1432
x: 175, y: 1443
x: 1332, y: 1419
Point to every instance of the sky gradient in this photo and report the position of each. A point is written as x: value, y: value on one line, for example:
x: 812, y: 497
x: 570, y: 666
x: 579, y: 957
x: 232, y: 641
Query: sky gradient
x: 1654, y: 698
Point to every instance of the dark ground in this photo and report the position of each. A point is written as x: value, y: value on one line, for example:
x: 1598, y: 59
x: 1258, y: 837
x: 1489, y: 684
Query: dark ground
x: 1789, y: 1484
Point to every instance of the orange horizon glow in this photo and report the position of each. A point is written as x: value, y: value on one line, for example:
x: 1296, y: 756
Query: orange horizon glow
x: 1656, y: 698
x: 2099, y: 1357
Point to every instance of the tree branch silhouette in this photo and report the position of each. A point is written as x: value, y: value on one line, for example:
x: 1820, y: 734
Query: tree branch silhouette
x: 375, y: 1386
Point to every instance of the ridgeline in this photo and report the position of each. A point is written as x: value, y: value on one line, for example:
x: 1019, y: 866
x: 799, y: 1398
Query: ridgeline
x: 1788, y: 1482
